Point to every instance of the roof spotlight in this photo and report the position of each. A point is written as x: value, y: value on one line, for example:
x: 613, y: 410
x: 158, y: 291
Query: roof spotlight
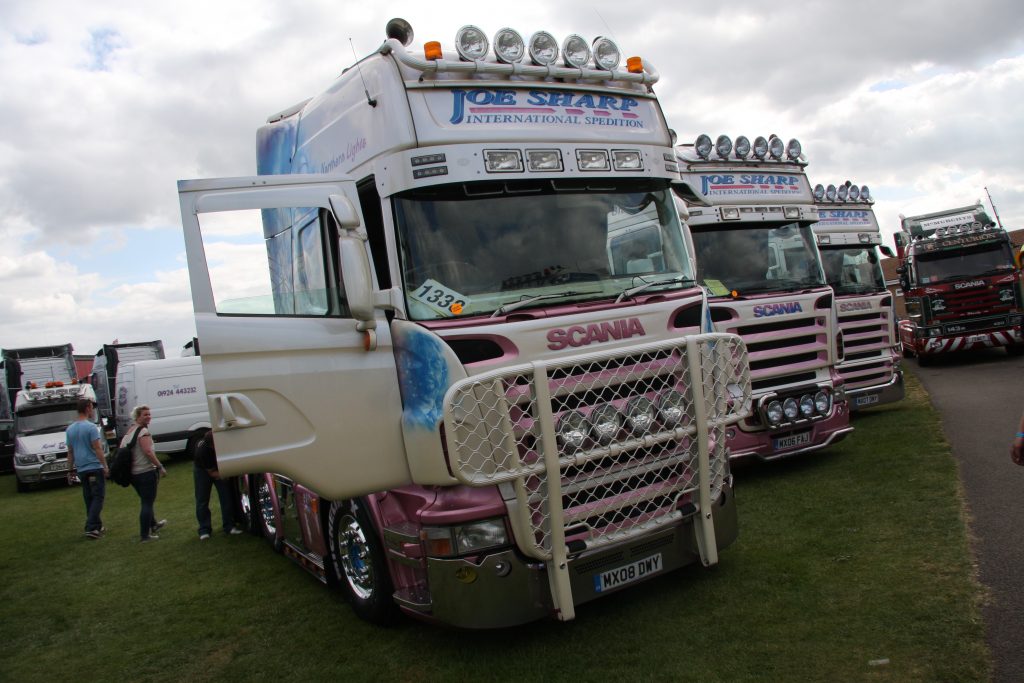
x: 776, y: 147
x: 819, y: 192
x: 793, y: 149
x: 471, y: 43
x: 723, y: 145
x: 606, y: 53
x: 841, y: 192
x: 865, y: 193
x: 543, y: 48
x: 760, y: 147
x: 830, y: 193
x: 575, y: 51
x: 854, y: 193
x: 703, y: 146
x: 742, y: 147
x: 509, y: 46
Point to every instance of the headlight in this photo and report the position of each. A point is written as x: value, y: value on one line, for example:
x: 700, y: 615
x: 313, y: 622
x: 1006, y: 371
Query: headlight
x: 575, y: 51
x: 760, y: 147
x: 30, y: 459
x: 1006, y: 295
x: 723, y: 146
x: 543, y: 48
x: 791, y: 408
x: 572, y: 430
x: 471, y: 43
x: 821, y: 402
x: 592, y: 159
x: 703, y: 146
x: 672, y: 409
x: 465, y: 538
x: 606, y: 53
x: 742, y: 147
x: 807, y: 405
x: 508, y: 46
x: 605, y: 423
x: 774, y: 412
x: 940, y: 305
x: 640, y: 415
x: 627, y: 160
x: 776, y: 148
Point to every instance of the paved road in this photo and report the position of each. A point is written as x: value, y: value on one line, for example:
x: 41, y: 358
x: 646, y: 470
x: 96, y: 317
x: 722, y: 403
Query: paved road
x: 980, y: 396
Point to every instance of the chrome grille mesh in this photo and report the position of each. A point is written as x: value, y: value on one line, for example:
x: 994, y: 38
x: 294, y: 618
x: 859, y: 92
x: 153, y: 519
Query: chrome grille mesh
x: 590, y: 491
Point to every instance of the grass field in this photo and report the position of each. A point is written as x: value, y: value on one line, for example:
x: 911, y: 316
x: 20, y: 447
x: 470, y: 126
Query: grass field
x: 852, y: 565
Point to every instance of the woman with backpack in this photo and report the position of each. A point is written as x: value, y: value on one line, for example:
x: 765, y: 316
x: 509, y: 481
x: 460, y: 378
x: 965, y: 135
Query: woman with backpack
x: 146, y: 472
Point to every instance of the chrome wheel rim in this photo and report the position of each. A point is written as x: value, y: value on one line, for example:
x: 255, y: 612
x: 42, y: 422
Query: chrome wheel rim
x: 266, y: 504
x: 356, y: 563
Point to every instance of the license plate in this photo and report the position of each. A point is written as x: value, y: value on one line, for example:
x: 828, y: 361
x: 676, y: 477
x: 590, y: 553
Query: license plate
x: 866, y: 400
x: 58, y: 466
x: 791, y: 441
x: 620, y: 576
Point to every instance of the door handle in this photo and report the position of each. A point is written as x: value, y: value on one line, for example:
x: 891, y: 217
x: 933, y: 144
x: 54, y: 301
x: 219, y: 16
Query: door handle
x: 234, y: 411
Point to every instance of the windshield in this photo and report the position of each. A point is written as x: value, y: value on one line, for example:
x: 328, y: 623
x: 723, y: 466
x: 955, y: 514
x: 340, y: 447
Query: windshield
x: 755, y: 257
x: 853, y: 270
x: 986, y: 259
x: 481, y: 248
x: 45, y: 419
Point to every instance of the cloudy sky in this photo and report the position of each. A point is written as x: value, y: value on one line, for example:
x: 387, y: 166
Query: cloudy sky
x: 106, y: 104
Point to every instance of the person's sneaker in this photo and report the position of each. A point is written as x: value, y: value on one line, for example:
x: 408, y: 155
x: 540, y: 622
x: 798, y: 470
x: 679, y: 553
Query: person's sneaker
x: 204, y: 537
x: 94, y: 534
x: 151, y: 537
x: 235, y: 531
x: 157, y: 526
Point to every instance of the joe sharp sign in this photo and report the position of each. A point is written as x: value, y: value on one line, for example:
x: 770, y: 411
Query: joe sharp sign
x: 498, y: 106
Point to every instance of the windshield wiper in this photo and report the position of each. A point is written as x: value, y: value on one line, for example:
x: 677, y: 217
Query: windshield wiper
x: 530, y: 300
x: 633, y: 291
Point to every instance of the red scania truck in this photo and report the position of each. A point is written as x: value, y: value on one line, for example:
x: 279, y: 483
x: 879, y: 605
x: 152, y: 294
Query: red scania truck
x: 960, y: 283
x: 452, y: 339
x: 851, y: 246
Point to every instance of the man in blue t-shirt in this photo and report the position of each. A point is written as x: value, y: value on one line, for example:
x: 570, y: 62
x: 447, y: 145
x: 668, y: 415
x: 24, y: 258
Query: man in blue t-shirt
x: 85, y: 456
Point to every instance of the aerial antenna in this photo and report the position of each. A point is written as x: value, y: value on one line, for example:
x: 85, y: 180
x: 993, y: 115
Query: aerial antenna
x: 994, y: 210
x: 609, y: 28
x: 372, y: 102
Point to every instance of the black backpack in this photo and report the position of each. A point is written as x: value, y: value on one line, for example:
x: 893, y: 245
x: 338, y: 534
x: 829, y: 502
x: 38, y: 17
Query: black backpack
x: 121, y: 463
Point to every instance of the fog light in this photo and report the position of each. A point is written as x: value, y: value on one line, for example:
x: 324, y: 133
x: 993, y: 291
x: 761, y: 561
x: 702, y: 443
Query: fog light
x: 821, y: 402
x: 605, y: 423
x: 774, y: 412
x: 790, y: 408
x: 640, y: 415
x: 807, y: 405
x: 672, y: 409
x: 572, y: 430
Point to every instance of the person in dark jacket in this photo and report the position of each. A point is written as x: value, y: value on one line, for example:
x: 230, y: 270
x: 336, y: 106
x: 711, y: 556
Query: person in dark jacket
x: 206, y: 477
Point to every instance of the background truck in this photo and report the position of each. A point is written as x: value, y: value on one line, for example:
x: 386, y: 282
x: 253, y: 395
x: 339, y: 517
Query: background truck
x: 45, y: 404
x: 104, y: 374
x: 960, y: 283
x: 449, y: 392
x: 751, y: 217
x: 850, y: 242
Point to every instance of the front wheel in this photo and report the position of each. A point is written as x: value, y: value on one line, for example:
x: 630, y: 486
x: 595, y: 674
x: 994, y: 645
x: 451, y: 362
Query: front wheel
x: 359, y: 563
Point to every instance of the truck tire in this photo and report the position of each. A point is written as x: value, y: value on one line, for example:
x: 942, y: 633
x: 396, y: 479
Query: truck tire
x: 268, y: 511
x: 360, y: 564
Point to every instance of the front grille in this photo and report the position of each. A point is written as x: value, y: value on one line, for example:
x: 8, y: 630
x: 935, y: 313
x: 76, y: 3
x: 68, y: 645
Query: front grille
x: 785, y: 352
x: 501, y: 429
x: 866, y: 337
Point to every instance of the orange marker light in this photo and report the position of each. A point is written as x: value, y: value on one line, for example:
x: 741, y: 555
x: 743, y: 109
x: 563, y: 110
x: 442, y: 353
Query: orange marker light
x: 635, y: 65
x: 455, y: 308
x: 432, y: 50
x: 735, y: 294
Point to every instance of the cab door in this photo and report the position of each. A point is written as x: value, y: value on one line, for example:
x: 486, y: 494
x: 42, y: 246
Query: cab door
x: 296, y: 385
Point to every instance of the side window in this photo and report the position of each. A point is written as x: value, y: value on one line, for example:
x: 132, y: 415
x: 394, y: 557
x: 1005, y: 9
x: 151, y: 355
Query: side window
x: 274, y: 262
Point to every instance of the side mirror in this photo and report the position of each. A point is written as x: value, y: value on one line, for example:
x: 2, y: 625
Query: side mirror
x: 355, y: 272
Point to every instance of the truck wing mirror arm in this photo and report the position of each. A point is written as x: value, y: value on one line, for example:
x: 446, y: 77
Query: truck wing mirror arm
x: 689, y: 194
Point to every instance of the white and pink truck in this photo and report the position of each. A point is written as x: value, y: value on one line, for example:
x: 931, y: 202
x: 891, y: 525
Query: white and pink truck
x: 452, y: 339
x: 851, y: 246
x: 751, y: 218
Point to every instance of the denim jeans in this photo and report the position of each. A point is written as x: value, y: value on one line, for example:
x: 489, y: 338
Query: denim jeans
x: 145, y: 485
x: 225, y: 493
x: 94, y: 490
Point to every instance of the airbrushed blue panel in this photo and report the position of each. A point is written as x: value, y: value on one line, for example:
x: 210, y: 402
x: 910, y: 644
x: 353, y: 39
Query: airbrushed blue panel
x: 423, y: 376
